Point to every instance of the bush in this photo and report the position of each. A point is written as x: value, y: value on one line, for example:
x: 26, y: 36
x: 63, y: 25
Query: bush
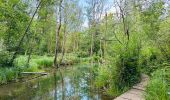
x: 150, y: 60
x: 103, y: 77
x: 5, y: 58
x: 96, y: 58
x: 71, y: 58
x: 20, y: 61
x: 85, y: 60
x: 127, y: 68
x: 82, y: 54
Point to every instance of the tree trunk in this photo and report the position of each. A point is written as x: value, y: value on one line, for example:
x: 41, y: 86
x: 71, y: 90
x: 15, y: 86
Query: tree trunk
x: 29, y: 57
x: 57, y: 37
x: 92, y: 43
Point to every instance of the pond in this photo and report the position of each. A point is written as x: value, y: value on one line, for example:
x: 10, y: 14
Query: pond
x: 69, y: 83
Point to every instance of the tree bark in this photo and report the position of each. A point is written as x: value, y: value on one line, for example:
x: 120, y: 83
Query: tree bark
x: 29, y: 57
x: 57, y: 36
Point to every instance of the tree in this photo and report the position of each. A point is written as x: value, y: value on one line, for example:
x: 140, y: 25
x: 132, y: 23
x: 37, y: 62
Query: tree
x: 57, y: 34
x: 94, y: 15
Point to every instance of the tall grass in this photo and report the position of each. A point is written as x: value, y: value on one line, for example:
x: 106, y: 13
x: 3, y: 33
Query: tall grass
x: 157, y: 88
x: 39, y: 62
x: 8, y: 74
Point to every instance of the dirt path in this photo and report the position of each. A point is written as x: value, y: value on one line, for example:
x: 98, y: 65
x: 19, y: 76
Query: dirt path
x: 137, y: 92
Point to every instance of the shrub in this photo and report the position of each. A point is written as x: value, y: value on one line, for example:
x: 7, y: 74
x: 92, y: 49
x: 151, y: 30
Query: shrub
x: 71, y: 58
x: 96, y: 58
x: 20, y: 61
x: 103, y: 77
x: 150, y: 60
x: 85, y: 60
x: 82, y: 54
x: 5, y: 58
x: 2, y: 76
x: 127, y: 68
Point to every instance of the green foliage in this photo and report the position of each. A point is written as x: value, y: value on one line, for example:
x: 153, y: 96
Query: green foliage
x: 20, y: 61
x: 105, y: 80
x: 71, y: 58
x: 96, y: 58
x: 82, y: 54
x: 44, y: 61
x: 40, y: 62
x: 163, y: 39
x: 120, y: 59
x: 151, y: 19
x: 36, y: 63
x: 103, y: 77
x: 14, y: 19
x: 32, y: 68
x: 150, y: 59
x: 8, y: 74
x: 5, y: 58
x: 127, y: 66
x: 157, y: 88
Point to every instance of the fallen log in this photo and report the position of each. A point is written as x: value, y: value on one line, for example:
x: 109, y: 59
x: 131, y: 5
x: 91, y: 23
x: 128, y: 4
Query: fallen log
x: 42, y: 73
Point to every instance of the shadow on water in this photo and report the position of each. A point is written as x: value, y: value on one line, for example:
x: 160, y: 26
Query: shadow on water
x: 71, y: 83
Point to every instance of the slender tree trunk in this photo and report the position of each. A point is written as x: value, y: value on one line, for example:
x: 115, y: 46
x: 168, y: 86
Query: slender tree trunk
x: 92, y: 43
x: 104, y: 52
x: 124, y: 19
x: 57, y: 37
x: 29, y: 57
x: 101, y: 51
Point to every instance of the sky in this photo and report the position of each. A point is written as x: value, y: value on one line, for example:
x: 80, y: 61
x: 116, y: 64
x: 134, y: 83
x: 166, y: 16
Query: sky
x: 109, y: 4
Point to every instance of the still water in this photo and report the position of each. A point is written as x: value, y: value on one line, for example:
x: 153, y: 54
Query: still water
x: 70, y: 83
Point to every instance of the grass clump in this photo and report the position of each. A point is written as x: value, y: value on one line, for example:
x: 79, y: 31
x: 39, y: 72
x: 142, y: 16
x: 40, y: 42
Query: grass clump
x: 34, y: 65
x: 43, y: 62
x: 157, y: 88
x: 103, y: 78
x: 8, y: 74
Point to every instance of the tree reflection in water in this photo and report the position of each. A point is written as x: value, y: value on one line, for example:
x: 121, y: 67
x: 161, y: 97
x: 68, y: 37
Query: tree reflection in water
x: 71, y: 83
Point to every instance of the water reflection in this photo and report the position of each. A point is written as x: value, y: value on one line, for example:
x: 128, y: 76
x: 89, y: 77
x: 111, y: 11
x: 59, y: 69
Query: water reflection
x: 72, y: 83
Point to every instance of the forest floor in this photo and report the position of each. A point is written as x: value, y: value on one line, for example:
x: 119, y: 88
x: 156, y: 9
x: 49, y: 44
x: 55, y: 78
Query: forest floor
x: 137, y: 92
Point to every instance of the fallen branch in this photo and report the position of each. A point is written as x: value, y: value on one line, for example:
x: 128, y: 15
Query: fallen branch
x: 42, y: 73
